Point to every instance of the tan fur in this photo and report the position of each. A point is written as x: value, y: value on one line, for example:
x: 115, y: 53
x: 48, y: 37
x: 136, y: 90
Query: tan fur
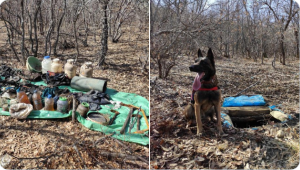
x: 202, y: 106
x: 189, y: 114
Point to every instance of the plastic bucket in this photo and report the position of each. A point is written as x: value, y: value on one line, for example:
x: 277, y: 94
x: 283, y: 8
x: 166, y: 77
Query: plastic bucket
x: 33, y: 64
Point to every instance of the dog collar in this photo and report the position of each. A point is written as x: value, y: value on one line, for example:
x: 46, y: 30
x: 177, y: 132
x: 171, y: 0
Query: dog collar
x: 211, y: 89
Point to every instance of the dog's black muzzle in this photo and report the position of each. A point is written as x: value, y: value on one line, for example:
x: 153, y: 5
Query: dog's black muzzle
x: 192, y: 68
x: 195, y: 68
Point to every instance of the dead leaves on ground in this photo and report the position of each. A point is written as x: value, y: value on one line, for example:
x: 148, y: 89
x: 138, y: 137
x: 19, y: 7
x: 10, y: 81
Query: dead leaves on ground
x: 55, y: 147
x: 243, y: 148
x: 51, y: 142
x: 235, y: 151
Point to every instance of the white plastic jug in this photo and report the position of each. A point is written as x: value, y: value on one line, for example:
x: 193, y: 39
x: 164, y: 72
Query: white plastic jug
x: 46, y: 64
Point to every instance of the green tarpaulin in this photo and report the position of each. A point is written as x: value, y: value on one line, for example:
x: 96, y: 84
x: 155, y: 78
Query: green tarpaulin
x: 126, y: 98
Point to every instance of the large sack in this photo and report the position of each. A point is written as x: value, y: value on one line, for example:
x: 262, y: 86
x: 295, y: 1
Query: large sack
x: 20, y: 110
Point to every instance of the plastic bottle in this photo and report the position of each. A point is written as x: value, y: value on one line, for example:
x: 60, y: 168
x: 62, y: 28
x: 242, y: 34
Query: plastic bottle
x: 22, y: 97
x: 86, y: 70
x: 70, y: 69
x: 62, y: 105
x: 56, y: 66
x: 49, y: 103
x: 37, y: 100
x: 46, y: 64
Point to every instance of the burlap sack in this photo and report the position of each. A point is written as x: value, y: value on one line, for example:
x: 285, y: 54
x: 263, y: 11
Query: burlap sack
x: 20, y: 110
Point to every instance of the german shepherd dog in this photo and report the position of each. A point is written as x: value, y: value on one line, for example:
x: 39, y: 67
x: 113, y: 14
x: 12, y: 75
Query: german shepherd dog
x: 207, y: 98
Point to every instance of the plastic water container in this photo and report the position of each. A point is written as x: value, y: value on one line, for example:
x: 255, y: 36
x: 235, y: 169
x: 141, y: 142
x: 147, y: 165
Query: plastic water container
x: 49, y: 103
x: 22, y: 97
x: 37, y: 100
x: 56, y: 66
x: 46, y: 64
x: 62, y: 105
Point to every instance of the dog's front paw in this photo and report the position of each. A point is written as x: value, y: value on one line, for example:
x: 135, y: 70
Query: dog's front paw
x: 199, y: 134
x: 221, y: 132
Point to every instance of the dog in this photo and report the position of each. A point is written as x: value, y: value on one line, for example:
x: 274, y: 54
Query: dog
x: 206, y: 96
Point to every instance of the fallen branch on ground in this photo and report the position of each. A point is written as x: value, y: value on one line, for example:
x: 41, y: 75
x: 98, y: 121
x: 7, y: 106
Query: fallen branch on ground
x: 74, y: 146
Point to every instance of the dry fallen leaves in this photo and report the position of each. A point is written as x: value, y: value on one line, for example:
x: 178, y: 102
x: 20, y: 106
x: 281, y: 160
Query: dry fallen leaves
x: 242, y: 147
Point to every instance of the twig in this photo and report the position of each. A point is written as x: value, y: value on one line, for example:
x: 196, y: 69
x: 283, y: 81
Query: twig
x: 130, y: 150
x: 101, y: 163
x: 126, y: 147
x: 41, y: 157
x: 246, y: 88
x: 54, y: 154
x: 74, y: 108
x: 104, y: 137
x: 119, y: 155
x: 74, y: 146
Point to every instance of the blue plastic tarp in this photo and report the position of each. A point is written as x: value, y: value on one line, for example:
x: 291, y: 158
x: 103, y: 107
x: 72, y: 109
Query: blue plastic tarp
x: 256, y: 100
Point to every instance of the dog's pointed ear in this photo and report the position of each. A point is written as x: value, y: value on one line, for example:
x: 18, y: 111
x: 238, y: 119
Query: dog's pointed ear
x: 199, y: 53
x: 210, y: 55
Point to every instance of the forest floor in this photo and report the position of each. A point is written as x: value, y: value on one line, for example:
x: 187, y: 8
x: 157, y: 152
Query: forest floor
x: 176, y: 146
x: 61, y: 144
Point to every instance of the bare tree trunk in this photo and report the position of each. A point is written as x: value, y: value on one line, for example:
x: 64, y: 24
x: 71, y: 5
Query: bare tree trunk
x: 104, y: 37
x: 86, y: 27
x: 76, y: 39
x: 30, y: 32
x: 297, y: 42
x: 48, y: 39
x: 274, y: 60
x: 41, y: 23
x: 58, y: 28
x: 262, y: 51
x: 34, y: 26
x: 227, y: 32
x: 282, y: 49
x: 23, y: 33
x: 77, y: 11
x: 51, y: 27
x: 9, y: 32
